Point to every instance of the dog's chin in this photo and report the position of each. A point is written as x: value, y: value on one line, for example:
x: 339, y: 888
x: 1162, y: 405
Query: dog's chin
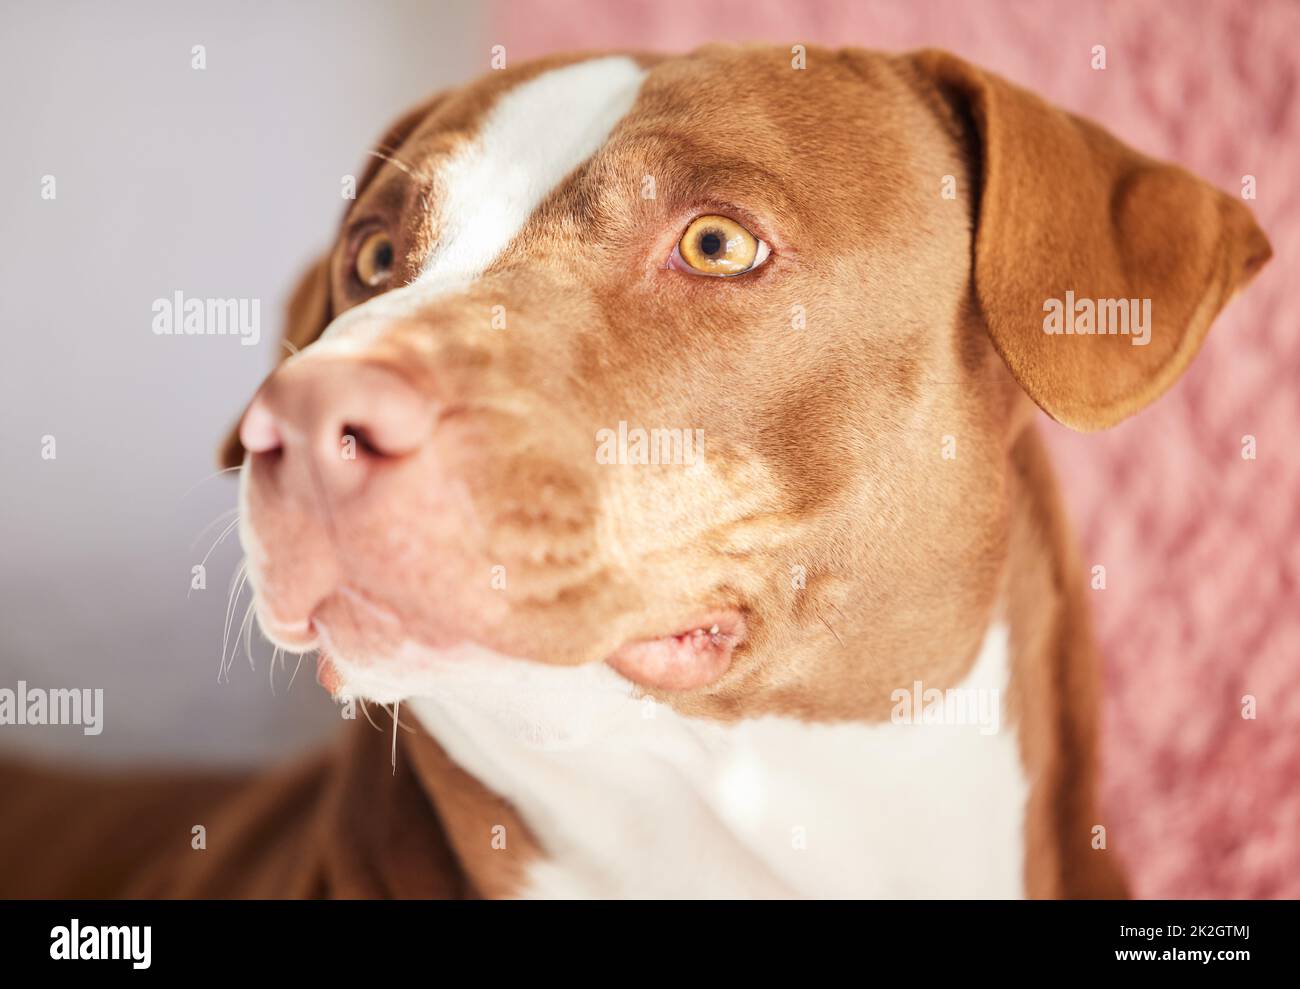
x: 694, y: 656
x: 383, y: 668
x: 470, y: 689
x: 367, y: 651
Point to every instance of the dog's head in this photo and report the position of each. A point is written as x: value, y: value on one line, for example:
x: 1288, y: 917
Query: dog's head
x: 707, y: 367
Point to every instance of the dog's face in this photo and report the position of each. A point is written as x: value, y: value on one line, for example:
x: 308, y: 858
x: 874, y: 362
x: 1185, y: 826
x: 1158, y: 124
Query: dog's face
x: 705, y: 367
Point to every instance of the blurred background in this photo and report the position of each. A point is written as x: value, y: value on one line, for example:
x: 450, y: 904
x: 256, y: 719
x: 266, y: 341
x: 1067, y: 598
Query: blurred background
x: 225, y: 181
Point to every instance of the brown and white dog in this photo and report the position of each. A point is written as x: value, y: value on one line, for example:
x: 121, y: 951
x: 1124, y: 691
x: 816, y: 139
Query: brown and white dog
x: 660, y: 429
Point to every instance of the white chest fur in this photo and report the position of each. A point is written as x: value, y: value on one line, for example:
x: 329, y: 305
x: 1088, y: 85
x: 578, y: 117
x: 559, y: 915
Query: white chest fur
x: 629, y: 799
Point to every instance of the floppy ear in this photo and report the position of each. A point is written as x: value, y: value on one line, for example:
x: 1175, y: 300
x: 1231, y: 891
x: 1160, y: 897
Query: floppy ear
x: 311, y: 306
x: 1063, y: 207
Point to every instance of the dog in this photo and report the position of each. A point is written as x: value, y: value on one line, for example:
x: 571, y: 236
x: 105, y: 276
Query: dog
x: 658, y: 444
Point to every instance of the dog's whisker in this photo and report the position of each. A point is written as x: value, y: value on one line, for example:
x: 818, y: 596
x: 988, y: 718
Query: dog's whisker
x: 277, y: 656
x: 385, y: 154
x: 215, y: 522
x: 270, y: 671
x: 218, y: 473
x: 229, y: 662
x: 290, y: 346
x: 397, y: 706
x: 246, y: 630
x: 822, y: 619
x: 232, y: 597
x: 365, y: 709
x: 225, y: 532
x: 236, y: 588
x: 297, y: 666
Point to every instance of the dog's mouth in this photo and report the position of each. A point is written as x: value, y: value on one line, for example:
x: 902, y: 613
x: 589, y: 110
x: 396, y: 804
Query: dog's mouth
x: 697, y: 654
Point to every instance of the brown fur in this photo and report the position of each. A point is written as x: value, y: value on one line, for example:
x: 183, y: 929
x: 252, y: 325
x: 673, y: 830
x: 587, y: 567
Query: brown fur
x: 923, y: 321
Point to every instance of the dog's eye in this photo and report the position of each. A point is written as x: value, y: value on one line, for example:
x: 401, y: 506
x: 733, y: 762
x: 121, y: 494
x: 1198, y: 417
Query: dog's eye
x: 717, y: 245
x: 374, y: 262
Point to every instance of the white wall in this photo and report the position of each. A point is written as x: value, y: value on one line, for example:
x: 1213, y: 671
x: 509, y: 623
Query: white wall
x: 221, y: 182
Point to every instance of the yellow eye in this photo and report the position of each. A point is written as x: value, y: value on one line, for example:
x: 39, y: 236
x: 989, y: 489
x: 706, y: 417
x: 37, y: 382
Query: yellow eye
x: 717, y: 245
x: 374, y: 263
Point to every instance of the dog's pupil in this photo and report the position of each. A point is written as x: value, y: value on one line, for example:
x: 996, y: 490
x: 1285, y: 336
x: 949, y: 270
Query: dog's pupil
x: 710, y: 243
x: 384, y: 257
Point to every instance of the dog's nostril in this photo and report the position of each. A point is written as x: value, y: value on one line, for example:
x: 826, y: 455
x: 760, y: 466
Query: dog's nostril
x: 334, y: 412
x: 362, y: 439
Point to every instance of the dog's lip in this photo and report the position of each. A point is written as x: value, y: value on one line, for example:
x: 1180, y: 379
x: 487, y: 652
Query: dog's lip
x: 327, y: 675
x: 694, y: 655
x: 296, y: 636
x: 307, y: 633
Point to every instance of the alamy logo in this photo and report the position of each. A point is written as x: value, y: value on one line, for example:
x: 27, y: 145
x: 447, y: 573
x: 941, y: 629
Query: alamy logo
x: 179, y: 316
x: 1099, y: 317
x: 955, y: 706
x: 649, y: 446
x: 38, y: 706
x: 76, y: 943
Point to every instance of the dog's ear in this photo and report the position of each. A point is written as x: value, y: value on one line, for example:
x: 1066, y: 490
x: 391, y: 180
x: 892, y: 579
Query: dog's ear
x: 1063, y: 207
x: 311, y: 306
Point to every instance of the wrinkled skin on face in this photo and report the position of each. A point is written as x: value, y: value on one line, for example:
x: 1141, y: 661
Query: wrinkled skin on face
x: 846, y: 528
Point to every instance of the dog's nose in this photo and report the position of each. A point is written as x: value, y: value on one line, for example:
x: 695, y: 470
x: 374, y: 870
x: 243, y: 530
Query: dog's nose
x: 338, y: 417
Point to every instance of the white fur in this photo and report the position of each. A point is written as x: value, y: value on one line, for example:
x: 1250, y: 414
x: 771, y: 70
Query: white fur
x: 629, y: 799
x: 535, y: 135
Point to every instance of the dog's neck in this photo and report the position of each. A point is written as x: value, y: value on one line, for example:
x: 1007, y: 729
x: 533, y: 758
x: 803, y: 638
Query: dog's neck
x: 627, y: 798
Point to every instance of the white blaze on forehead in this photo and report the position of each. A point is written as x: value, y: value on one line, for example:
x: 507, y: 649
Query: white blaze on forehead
x: 534, y: 136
